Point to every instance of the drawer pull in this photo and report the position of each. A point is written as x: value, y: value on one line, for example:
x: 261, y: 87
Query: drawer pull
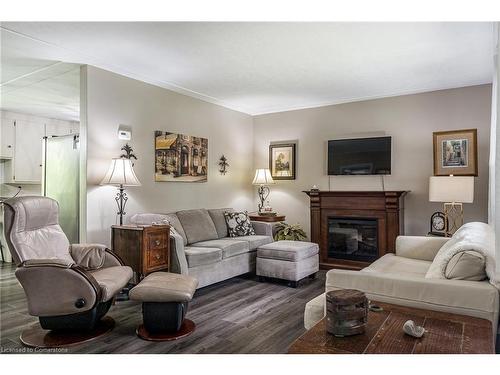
x: 157, y: 256
x: 157, y: 242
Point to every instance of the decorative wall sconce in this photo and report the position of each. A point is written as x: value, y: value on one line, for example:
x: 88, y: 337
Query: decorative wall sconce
x: 223, y: 165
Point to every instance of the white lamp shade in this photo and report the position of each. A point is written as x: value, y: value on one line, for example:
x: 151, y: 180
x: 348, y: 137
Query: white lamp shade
x: 263, y: 177
x: 120, y: 172
x: 453, y: 189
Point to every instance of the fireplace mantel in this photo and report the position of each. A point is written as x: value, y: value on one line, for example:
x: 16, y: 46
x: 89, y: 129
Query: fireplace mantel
x: 385, y: 206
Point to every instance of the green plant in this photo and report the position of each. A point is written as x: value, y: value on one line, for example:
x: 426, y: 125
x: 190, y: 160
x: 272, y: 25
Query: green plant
x: 290, y: 232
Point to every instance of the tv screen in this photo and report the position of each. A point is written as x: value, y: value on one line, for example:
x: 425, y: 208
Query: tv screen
x: 359, y: 156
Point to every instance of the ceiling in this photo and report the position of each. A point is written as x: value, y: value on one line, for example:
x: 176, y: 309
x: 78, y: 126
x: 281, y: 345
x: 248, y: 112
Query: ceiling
x: 265, y: 67
x: 37, y: 83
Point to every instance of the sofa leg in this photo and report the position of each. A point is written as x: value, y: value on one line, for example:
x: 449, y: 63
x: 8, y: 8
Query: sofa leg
x: 293, y: 284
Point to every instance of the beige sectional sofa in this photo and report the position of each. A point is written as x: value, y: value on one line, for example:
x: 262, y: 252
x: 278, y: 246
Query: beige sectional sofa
x: 200, y: 246
x: 400, y: 279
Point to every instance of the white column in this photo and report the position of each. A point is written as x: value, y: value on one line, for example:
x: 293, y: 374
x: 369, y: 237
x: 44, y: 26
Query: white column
x: 494, y: 180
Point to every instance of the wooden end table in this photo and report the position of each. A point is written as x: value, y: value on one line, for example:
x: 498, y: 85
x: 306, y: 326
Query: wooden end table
x: 145, y: 248
x: 254, y: 216
x: 446, y: 334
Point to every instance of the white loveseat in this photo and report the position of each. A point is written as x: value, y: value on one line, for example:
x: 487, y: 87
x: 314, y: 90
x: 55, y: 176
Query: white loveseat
x: 400, y: 279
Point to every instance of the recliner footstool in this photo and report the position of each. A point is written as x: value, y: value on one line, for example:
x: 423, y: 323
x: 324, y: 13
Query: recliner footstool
x: 288, y: 260
x: 165, y: 297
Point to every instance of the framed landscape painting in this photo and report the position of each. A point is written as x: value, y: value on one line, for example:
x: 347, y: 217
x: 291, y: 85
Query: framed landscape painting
x: 282, y: 161
x: 180, y: 157
x: 455, y: 152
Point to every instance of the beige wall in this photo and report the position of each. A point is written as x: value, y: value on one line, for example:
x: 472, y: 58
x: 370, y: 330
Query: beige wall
x: 410, y: 120
x: 110, y: 100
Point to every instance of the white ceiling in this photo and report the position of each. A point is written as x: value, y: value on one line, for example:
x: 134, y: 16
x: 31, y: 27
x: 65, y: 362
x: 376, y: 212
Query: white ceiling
x: 269, y: 67
x: 36, y: 83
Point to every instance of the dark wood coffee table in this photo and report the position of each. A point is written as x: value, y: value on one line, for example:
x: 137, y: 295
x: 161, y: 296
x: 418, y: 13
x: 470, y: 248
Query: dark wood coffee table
x: 447, y: 334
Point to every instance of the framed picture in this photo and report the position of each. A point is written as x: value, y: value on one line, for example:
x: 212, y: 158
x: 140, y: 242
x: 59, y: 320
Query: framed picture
x: 180, y: 158
x: 282, y: 161
x: 455, y: 152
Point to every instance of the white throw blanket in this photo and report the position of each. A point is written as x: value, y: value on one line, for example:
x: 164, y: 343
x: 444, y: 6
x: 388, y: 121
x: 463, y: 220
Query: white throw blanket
x: 473, y: 236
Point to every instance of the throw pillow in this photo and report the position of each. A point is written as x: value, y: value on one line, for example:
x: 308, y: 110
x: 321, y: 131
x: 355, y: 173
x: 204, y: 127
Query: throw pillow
x: 467, y: 265
x: 238, y: 224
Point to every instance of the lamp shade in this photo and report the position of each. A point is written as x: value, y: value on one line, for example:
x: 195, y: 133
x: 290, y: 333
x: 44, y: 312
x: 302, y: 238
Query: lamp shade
x: 120, y: 172
x: 262, y: 177
x: 455, y: 189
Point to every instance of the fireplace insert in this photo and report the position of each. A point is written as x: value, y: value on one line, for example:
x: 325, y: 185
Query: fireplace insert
x: 353, y: 238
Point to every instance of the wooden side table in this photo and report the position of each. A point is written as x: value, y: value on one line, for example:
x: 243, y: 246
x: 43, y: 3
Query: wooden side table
x: 254, y: 216
x: 145, y: 249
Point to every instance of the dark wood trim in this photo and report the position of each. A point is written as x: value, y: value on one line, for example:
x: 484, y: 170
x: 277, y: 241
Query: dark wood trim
x: 385, y: 206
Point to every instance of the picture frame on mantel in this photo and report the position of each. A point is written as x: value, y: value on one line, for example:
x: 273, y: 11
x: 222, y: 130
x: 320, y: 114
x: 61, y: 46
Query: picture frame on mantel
x: 282, y: 157
x: 455, y: 152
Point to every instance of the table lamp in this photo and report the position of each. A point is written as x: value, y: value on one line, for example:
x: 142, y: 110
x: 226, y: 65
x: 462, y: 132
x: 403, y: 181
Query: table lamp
x: 263, y: 178
x: 453, y: 191
x: 121, y: 173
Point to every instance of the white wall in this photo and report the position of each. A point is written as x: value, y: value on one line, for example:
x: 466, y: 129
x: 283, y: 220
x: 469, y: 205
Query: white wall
x: 410, y: 120
x: 109, y: 100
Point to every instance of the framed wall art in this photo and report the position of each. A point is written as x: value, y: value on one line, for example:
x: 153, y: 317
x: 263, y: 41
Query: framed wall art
x: 180, y: 158
x: 282, y: 161
x: 455, y: 152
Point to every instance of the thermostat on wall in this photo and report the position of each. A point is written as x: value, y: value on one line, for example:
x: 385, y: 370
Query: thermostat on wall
x: 125, y: 133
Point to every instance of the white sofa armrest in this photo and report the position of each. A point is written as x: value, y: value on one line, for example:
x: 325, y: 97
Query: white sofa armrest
x: 419, y: 247
x: 314, y: 311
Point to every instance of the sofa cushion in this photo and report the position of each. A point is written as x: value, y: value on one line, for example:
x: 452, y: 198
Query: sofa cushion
x: 288, y: 250
x: 198, y: 256
x: 253, y: 241
x: 230, y: 247
x: 394, y: 264
x: 473, y: 236
x: 467, y: 265
x: 112, y: 279
x: 238, y: 224
x: 219, y: 220
x: 197, y: 225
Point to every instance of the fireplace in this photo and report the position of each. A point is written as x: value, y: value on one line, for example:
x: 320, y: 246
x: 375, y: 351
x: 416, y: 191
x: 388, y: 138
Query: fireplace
x: 353, y: 238
x: 355, y: 228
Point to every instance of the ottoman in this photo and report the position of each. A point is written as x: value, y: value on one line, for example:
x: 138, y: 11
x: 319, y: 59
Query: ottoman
x: 165, y: 297
x: 288, y: 260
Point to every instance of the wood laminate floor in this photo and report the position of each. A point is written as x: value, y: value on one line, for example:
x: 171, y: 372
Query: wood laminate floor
x: 240, y: 315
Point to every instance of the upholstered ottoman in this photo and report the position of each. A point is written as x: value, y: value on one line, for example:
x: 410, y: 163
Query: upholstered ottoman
x: 288, y: 260
x: 165, y: 297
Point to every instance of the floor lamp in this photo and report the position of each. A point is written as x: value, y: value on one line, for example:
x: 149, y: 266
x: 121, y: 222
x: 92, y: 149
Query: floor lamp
x: 121, y: 173
x: 453, y: 191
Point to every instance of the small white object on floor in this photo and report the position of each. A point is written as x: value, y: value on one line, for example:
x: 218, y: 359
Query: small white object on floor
x: 410, y: 328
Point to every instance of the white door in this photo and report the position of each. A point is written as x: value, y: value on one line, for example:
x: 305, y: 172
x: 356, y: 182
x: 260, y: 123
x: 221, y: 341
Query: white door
x: 6, y: 138
x: 28, y: 152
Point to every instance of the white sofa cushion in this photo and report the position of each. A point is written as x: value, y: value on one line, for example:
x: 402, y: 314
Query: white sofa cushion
x: 393, y: 264
x: 475, y: 236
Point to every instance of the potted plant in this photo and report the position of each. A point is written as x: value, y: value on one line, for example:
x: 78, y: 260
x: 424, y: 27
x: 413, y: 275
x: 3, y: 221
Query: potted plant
x: 289, y: 232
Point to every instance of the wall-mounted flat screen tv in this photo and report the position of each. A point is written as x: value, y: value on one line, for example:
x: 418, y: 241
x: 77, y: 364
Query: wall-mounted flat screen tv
x: 359, y: 156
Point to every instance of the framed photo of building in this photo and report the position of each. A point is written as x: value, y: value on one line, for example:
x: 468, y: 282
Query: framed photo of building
x: 282, y: 161
x: 455, y: 152
x: 180, y: 158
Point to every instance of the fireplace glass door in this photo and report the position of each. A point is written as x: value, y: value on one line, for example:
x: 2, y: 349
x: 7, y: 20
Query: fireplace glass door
x: 353, y: 238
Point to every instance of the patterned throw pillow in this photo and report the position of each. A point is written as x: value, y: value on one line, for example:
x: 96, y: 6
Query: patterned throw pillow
x: 238, y: 224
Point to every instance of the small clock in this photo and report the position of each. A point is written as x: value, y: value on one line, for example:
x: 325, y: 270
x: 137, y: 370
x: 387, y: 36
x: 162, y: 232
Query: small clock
x: 438, y: 224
